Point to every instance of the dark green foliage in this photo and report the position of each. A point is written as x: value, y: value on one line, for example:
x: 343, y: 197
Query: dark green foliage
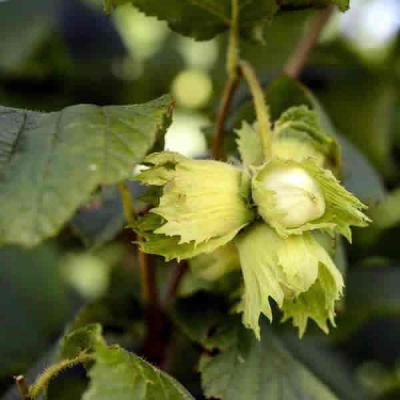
x: 82, y: 147
x: 62, y: 162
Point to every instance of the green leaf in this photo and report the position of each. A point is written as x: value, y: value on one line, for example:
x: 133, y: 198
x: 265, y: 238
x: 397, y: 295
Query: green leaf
x: 86, y: 339
x: 372, y: 291
x: 257, y: 370
x: 359, y: 176
x: 53, y: 162
x: 387, y: 214
x: 328, y: 365
x: 363, y: 116
x: 299, y: 135
x: 342, y: 4
x: 196, y: 320
x: 34, y: 305
x: 249, y: 146
x: 203, y: 19
x: 109, y: 5
x: 101, y: 220
x: 120, y: 375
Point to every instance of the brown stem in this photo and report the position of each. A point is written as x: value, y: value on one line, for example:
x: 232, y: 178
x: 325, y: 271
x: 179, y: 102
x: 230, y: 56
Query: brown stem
x: 298, y: 59
x: 127, y: 203
x: 229, y: 90
x: 156, y: 322
x: 232, y: 63
x: 176, y: 279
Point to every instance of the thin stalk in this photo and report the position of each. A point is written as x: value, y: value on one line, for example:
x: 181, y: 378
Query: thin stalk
x: 262, y: 113
x: 149, y: 291
x: 232, y: 62
x: 219, y: 135
x: 298, y: 59
x: 43, y: 381
x: 176, y: 279
x: 232, y: 59
x: 156, y: 323
x: 127, y: 203
x: 22, y: 387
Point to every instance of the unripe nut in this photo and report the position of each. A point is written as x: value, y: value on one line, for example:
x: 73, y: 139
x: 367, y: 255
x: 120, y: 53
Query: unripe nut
x: 298, y: 198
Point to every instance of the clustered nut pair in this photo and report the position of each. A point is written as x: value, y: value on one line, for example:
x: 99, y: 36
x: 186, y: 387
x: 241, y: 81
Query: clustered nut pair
x: 279, y: 217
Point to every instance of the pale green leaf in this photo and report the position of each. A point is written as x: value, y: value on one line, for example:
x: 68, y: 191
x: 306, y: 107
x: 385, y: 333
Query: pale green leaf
x: 193, y: 193
x: 358, y: 174
x: 216, y: 272
x: 170, y: 247
x: 215, y: 265
x: 285, y: 270
x: 53, y: 162
x: 200, y: 191
x: 317, y: 303
x: 343, y: 210
x: 249, y: 146
x: 120, y: 375
x: 298, y: 135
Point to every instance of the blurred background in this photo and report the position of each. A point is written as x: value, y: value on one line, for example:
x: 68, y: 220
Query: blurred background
x: 55, y: 53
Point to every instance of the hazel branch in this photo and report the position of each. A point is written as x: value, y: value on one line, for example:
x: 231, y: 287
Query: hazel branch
x: 298, y: 59
x: 232, y: 61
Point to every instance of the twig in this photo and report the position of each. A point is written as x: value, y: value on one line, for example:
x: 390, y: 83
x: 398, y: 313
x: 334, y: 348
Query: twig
x: 263, y: 118
x: 156, y: 323
x: 176, y: 279
x: 229, y: 90
x: 127, y: 203
x: 232, y: 61
x: 23, y: 387
x: 147, y: 273
x: 298, y: 59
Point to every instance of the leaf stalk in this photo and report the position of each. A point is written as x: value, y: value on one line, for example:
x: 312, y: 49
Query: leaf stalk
x: 262, y: 112
x: 44, y: 379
